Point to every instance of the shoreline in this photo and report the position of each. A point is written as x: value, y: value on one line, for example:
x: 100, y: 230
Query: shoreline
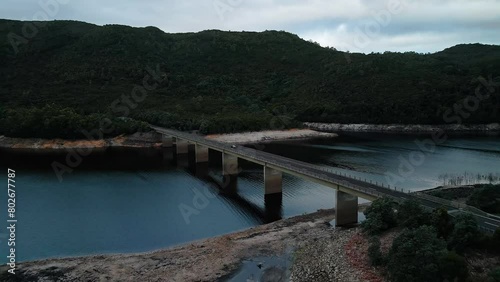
x: 493, y: 128
x: 203, y: 260
x: 313, y: 130
x: 153, y: 140
x: 269, y: 136
x: 136, y: 140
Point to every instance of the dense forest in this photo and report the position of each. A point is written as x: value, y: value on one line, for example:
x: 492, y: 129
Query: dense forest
x: 59, y: 77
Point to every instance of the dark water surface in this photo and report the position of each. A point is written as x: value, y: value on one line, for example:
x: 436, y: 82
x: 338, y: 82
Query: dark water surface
x: 136, y: 200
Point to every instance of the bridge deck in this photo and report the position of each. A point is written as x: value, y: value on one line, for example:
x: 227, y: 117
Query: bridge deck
x: 357, y: 187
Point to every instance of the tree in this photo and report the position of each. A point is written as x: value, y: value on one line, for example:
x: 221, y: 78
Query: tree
x: 415, y: 255
x: 486, y: 198
x: 380, y: 216
x: 464, y: 233
x: 412, y: 215
x: 442, y: 222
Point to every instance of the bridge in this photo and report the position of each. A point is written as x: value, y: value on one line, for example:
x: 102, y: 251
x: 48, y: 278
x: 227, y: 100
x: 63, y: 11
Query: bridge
x: 347, y: 188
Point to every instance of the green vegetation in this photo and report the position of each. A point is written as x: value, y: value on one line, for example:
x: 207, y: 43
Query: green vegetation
x: 485, y: 197
x: 56, y: 122
x: 415, y: 254
x: 465, y: 233
x: 374, y: 252
x: 380, y: 216
x: 442, y: 221
x: 453, y: 267
x: 233, y: 81
x: 411, y: 215
x: 430, y: 246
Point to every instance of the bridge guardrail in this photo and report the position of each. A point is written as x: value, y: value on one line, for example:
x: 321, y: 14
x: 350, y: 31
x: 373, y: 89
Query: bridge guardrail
x: 388, y: 189
x: 373, y: 189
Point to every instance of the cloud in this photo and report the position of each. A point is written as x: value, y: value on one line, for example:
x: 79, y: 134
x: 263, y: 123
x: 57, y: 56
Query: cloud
x: 419, y: 25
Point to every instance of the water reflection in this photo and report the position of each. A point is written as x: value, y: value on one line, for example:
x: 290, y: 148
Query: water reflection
x: 127, y: 200
x: 228, y: 184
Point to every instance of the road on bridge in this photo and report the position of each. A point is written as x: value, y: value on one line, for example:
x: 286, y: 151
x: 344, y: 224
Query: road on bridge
x: 312, y: 171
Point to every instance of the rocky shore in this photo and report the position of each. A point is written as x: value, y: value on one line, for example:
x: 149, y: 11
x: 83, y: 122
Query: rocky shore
x: 319, y: 251
x: 404, y: 128
x: 326, y: 260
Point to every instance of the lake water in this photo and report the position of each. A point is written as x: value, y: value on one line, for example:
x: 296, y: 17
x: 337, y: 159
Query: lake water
x: 135, y: 200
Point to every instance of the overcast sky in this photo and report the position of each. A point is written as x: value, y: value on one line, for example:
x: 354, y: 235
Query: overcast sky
x: 354, y: 25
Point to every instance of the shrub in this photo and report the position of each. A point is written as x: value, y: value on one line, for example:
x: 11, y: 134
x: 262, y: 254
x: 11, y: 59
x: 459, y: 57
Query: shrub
x: 374, y: 252
x: 465, y: 233
x: 486, y: 198
x: 442, y: 222
x: 453, y: 267
x: 380, y: 216
x: 415, y: 255
x: 411, y: 214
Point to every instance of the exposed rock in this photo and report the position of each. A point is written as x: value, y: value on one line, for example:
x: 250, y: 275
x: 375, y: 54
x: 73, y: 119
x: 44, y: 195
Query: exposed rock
x: 325, y: 260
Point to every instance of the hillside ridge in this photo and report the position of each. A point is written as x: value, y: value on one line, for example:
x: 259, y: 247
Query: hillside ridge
x: 220, y: 81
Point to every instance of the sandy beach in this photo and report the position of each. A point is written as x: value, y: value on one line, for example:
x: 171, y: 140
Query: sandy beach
x: 269, y: 136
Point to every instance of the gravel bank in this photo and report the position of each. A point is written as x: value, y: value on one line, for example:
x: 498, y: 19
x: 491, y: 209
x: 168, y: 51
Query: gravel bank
x: 325, y: 260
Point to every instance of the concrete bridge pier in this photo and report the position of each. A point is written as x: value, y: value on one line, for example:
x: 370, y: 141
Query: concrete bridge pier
x: 273, y: 180
x: 181, y: 152
x: 166, y: 141
x: 201, y: 154
x: 273, y: 196
x: 346, y: 209
x: 201, y: 160
x: 230, y: 172
x: 181, y: 146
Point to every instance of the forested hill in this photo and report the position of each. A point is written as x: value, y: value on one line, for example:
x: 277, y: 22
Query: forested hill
x: 69, y: 74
